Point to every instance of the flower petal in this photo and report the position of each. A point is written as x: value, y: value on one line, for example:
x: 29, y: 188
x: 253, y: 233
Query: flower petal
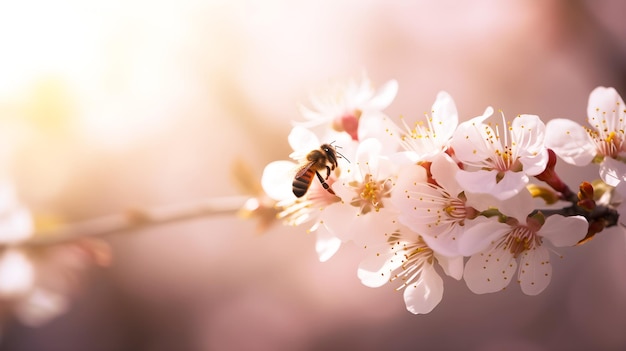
x: 452, y: 266
x: 277, y: 179
x: 535, y: 164
x: 375, y: 270
x: 564, y: 231
x: 612, y: 171
x: 384, y: 96
x: 445, y: 243
x: 445, y: 117
x: 535, y: 270
x: 377, y: 125
x: 444, y: 169
x: 468, y: 139
x: 605, y: 108
x: 570, y: 141
x: 326, y: 244
x: 519, y: 206
x: 486, y: 181
x: 481, y: 233
x: 425, y: 294
x: 302, y: 141
x: 367, y: 156
x: 528, y: 132
x: 489, y: 271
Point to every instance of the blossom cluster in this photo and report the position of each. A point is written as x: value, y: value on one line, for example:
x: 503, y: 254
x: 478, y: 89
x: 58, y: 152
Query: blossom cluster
x: 435, y: 195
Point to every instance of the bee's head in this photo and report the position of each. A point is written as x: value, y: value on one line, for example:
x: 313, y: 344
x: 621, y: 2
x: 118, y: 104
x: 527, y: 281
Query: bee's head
x: 330, y: 148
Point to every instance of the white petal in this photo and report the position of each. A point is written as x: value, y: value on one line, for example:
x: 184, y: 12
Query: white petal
x: 314, y: 118
x: 405, y: 158
x: 533, y: 165
x: 302, y: 141
x: 528, y: 132
x: 367, y: 156
x: 480, y: 181
x: 570, y: 141
x: 489, y: 271
x: 277, y: 180
x: 445, y: 243
x: 518, y: 206
x: 424, y: 294
x: 512, y: 184
x: 484, y: 181
x: 564, y: 231
x: 445, y: 117
x: 535, y: 270
x: 452, y: 266
x: 326, y: 244
x: 384, y: 96
x: 378, y: 126
x: 612, y: 171
x: 468, y: 139
x: 367, y: 230
x: 418, y: 208
x: 602, y: 102
x: 482, y: 202
x: 480, y: 234
x: 444, y: 170
x: 376, y: 270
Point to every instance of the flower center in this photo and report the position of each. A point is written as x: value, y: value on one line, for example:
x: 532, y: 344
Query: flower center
x: 521, y: 239
x: 455, y: 209
x: 370, y: 193
x: 348, y: 123
x: 607, y: 143
x: 300, y: 210
x: 414, y: 256
x: 506, y: 159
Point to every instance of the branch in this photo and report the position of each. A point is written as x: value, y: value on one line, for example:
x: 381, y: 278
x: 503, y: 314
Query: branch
x: 138, y: 219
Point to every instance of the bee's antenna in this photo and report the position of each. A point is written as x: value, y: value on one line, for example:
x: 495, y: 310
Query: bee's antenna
x: 342, y: 156
x: 339, y: 153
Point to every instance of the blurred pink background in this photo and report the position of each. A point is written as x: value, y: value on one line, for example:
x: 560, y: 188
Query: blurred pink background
x: 106, y: 105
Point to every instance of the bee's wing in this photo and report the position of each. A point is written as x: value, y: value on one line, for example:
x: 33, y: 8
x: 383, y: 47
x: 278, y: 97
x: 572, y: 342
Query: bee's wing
x: 302, y: 169
x: 277, y: 178
x: 300, y: 155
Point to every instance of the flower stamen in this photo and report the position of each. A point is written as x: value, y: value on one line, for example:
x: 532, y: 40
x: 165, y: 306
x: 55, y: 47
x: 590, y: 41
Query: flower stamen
x: 370, y: 193
x: 520, y: 239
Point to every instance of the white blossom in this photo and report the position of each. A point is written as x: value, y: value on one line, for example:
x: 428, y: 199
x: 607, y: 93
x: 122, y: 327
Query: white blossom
x: 423, y: 140
x: 499, y: 245
x: 503, y: 160
x: 365, y: 210
x: 407, y: 260
x: 346, y: 106
x: 604, y: 140
x: 277, y: 182
x: 436, y: 208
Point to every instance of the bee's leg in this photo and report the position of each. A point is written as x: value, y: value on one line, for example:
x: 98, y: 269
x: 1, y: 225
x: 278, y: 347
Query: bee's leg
x: 324, y: 184
x: 327, y: 172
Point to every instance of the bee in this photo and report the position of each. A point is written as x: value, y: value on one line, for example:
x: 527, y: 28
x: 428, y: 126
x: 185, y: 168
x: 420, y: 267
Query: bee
x: 324, y: 158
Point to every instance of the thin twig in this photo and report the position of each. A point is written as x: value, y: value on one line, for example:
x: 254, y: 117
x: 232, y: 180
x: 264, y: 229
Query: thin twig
x: 138, y: 219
